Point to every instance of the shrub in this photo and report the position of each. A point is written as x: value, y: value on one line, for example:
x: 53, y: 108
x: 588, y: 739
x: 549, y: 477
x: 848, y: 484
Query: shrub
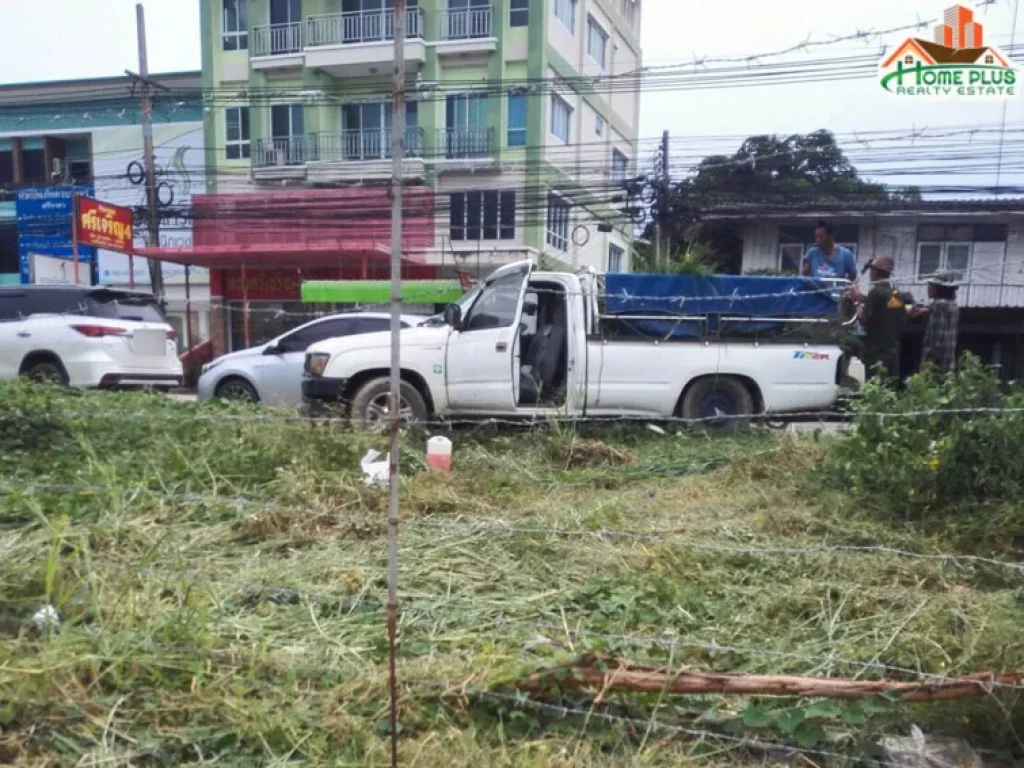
x: 942, y: 442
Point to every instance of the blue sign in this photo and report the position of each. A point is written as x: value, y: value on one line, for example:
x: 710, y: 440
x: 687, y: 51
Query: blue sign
x: 44, y: 224
x: 37, y: 206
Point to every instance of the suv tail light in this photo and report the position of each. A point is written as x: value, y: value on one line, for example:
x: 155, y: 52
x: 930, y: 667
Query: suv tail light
x: 172, y: 335
x: 99, y: 331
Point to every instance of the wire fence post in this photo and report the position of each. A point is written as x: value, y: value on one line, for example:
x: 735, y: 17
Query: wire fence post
x: 397, y: 158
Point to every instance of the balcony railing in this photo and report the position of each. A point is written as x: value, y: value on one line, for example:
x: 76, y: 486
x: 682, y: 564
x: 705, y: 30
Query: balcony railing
x: 375, y: 144
x: 360, y: 27
x: 466, y: 24
x: 465, y: 142
x: 287, y: 151
x: 276, y: 40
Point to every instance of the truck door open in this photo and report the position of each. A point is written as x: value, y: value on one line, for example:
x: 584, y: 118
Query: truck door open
x: 480, y: 353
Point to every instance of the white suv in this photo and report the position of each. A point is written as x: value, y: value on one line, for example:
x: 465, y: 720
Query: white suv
x: 86, y: 337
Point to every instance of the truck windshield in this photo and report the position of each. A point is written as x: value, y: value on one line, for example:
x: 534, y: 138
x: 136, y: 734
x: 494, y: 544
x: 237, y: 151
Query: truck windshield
x: 464, y: 304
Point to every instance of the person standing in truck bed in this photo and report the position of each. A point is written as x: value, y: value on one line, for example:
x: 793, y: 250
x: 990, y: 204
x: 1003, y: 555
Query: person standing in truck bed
x: 826, y: 259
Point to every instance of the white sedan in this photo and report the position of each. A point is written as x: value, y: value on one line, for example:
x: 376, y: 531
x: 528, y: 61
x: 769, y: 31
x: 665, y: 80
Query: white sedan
x: 272, y: 373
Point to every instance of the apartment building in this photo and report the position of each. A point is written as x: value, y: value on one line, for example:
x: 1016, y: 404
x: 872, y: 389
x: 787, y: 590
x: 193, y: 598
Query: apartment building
x: 522, y: 118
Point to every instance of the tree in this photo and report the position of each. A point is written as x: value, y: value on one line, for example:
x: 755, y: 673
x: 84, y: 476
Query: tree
x: 765, y: 171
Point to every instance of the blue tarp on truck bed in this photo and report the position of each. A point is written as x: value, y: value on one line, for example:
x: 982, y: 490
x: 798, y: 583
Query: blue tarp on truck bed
x: 712, y: 297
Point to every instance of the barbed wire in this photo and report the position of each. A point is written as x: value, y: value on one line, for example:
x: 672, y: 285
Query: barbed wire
x: 860, y: 35
x: 502, y: 527
x: 670, y: 641
x: 813, y: 287
x: 681, y: 538
x: 527, y: 421
x: 520, y: 699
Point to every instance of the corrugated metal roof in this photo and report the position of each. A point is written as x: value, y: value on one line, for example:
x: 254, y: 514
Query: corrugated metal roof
x: 965, y: 206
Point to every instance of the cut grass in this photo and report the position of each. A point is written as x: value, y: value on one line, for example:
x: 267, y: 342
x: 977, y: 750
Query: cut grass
x: 221, y: 587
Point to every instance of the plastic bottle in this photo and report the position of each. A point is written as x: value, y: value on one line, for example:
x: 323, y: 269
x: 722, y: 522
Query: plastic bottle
x: 439, y: 454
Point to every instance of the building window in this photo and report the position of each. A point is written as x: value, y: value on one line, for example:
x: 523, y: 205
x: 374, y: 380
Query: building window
x: 599, y: 125
x: 908, y: 60
x: 628, y: 11
x: 466, y: 134
x: 367, y: 127
x: 286, y: 121
x: 942, y: 248
x: 519, y: 13
x: 236, y: 144
x: 288, y: 145
x: 558, y: 223
x: 794, y: 242
x: 597, y: 42
x: 235, y: 22
x: 620, y: 168
x: 615, y: 254
x: 482, y: 215
x: 517, y: 119
x: 990, y: 59
x: 565, y: 10
x: 561, y: 118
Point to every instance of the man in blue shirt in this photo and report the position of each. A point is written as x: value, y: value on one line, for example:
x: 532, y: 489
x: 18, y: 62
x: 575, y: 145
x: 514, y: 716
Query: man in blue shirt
x: 826, y: 259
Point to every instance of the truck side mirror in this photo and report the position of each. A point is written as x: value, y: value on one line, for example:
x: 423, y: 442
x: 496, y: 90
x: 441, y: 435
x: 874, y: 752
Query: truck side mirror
x: 453, y: 316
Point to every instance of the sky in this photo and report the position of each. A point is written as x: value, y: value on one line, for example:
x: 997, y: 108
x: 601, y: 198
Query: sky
x: 85, y: 41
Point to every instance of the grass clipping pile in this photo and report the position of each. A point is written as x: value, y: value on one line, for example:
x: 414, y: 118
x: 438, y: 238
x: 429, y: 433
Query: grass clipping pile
x: 185, y: 585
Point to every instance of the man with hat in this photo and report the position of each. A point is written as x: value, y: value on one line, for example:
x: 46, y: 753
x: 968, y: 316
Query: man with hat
x: 943, y: 315
x: 882, y: 314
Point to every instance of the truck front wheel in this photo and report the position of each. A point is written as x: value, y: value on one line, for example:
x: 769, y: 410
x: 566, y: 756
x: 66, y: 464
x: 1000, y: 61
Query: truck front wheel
x: 721, y: 404
x: 371, y: 405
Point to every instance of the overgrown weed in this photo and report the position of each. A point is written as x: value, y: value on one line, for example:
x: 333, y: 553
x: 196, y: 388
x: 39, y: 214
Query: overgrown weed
x: 221, y: 590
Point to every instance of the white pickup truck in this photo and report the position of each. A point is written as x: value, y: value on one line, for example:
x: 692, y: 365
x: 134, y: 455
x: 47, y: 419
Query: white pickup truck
x: 528, y: 344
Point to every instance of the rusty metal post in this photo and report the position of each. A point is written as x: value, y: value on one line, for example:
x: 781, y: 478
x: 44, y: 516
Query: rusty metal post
x: 397, y: 158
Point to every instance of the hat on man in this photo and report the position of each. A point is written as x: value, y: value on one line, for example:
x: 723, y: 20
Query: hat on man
x: 943, y: 280
x: 884, y: 264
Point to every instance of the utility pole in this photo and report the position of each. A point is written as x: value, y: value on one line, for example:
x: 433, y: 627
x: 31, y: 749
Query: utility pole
x: 156, y: 274
x: 397, y: 162
x: 663, y: 248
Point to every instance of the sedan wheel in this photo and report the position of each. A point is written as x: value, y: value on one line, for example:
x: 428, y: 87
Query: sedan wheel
x: 238, y: 390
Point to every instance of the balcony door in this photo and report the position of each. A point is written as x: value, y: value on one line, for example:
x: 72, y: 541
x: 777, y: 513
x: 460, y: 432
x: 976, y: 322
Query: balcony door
x: 367, y: 130
x: 467, y: 19
x: 466, y: 121
x: 286, y: 131
x: 368, y: 21
x: 285, y: 26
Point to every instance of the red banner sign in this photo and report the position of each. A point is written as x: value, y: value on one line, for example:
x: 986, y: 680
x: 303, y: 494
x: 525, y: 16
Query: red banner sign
x: 104, y: 226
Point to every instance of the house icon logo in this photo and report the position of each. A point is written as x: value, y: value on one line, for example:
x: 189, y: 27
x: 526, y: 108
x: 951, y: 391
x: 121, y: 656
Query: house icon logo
x: 955, y: 64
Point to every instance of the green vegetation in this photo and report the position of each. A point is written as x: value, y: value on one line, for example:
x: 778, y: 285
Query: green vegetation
x: 219, y: 574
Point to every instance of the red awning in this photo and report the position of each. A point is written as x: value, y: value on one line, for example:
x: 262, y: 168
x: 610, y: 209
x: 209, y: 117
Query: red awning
x: 271, y: 254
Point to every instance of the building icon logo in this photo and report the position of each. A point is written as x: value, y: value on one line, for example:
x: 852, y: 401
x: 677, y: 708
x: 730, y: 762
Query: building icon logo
x: 955, y: 64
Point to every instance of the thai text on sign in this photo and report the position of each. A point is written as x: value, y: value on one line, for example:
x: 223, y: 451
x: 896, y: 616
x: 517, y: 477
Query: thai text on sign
x: 104, y: 226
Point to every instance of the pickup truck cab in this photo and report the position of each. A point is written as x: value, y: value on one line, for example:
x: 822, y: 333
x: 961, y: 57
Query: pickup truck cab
x: 528, y: 344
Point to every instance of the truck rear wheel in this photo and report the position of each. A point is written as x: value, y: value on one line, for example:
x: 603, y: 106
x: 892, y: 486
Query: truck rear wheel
x: 719, y: 404
x: 372, y: 403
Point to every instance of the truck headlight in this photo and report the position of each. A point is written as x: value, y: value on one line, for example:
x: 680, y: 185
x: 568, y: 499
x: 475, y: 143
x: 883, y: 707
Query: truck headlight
x: 316, y: 364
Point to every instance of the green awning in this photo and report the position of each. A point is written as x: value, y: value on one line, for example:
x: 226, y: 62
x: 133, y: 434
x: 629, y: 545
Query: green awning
x: 379, y: 291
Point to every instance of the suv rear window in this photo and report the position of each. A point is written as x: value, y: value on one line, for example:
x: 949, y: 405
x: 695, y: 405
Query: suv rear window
x: 113, y: 305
